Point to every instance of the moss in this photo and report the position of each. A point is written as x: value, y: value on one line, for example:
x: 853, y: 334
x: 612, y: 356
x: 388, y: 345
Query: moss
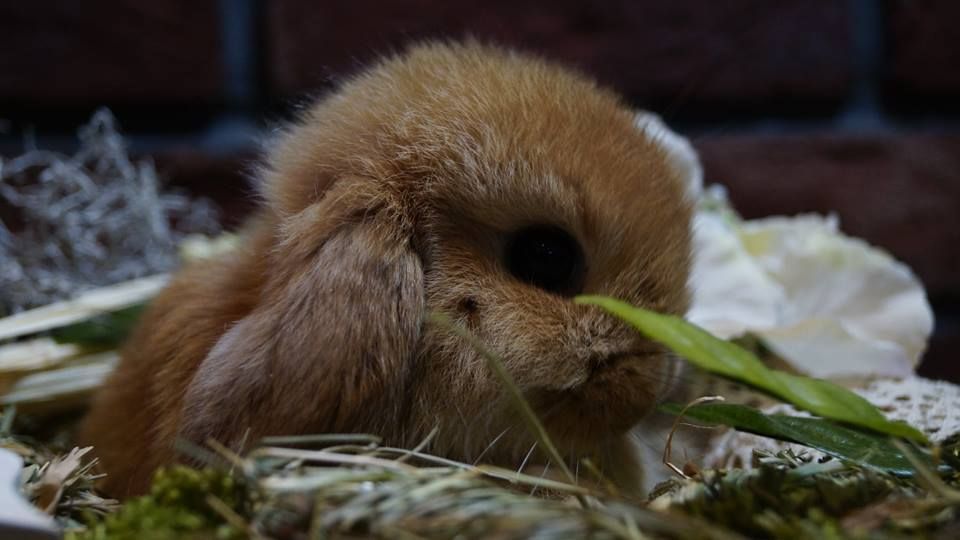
x: 177, y: 507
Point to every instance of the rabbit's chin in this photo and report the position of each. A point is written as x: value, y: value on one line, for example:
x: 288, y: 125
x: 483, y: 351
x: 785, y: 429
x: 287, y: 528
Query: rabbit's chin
x: 612, y: 400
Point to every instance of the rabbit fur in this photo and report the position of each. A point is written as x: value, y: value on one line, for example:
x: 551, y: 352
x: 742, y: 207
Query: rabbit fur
x: 395, y: 196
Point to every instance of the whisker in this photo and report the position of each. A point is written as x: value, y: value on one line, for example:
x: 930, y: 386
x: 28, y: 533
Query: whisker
x: 655, y: 441
x: 524, y: 463
x: 489, y: 446
x: 542, y: 476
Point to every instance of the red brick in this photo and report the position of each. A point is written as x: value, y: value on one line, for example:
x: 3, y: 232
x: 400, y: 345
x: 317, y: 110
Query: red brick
x: 899, y: 192
x: 99, y: 51
x: 923, y: 52
x: 684, y: 54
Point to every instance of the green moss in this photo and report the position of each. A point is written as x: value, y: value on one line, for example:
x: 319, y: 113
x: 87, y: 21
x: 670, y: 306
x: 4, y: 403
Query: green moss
x: 177, y: 507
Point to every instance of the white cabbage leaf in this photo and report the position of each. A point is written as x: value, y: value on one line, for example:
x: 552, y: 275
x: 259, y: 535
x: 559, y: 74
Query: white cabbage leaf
x: 830, y: 305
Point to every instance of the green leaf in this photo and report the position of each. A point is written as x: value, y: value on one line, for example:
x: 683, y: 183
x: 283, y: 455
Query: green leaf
x: 104, y: 331
x: 715, y: 355
x: 864, y: 448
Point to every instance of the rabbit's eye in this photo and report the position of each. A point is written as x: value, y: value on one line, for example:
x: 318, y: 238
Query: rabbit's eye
x: 547, y: 257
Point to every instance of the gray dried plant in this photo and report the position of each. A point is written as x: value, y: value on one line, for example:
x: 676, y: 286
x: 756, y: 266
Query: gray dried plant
x: 88, y: 219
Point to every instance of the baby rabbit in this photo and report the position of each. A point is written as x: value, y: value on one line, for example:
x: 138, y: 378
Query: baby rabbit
x: 458, y: 178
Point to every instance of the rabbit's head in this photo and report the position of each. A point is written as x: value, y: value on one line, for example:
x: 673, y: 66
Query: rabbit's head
x: 478, y: 183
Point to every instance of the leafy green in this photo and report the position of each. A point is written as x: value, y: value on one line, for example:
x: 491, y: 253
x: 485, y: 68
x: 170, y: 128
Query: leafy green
x: 864, y: 448
x: 107, y: 331
x: 727, y: 359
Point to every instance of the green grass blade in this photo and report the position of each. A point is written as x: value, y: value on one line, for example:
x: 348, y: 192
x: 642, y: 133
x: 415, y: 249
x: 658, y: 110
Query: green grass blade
x: 863, y: 448
x: 715, y: 355
x: 104, y: 331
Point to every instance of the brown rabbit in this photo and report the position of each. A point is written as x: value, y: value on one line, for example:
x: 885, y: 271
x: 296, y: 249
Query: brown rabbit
x: 463, y: 179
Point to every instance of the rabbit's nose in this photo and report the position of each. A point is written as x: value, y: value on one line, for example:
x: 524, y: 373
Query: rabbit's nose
x: 613, y: 339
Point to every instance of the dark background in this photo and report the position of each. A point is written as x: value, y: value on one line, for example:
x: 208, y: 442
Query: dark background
x: 848, y: 106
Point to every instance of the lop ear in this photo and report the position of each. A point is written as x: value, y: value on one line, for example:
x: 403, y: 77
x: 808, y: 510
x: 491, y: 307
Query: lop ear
x: 331, y: 343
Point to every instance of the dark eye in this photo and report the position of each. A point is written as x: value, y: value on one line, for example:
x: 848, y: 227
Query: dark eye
x: 547, y: 257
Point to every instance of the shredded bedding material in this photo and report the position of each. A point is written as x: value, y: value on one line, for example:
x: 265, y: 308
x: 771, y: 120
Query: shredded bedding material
x: 89, y: 219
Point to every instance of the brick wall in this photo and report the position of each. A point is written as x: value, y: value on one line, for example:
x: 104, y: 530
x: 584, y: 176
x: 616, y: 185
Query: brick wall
x: 848, y: 106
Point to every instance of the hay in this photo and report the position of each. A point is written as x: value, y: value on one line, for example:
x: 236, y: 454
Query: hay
x: 364, y: 490
x: 349, y: 486
x: 57, y: 478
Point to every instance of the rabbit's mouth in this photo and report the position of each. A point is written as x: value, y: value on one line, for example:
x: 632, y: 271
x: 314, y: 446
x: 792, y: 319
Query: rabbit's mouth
x: 617, y: 392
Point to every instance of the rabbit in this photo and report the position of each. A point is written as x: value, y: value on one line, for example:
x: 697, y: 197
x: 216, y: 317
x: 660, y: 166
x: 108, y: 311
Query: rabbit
x: 460, y: 178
